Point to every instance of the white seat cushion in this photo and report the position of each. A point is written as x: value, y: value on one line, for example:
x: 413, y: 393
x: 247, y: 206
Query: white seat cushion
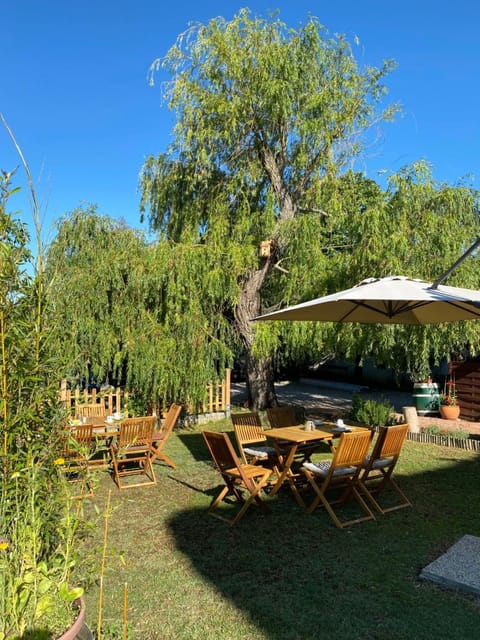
x: 322, y: 468
x: 260, y: 452
x: 379, y: 462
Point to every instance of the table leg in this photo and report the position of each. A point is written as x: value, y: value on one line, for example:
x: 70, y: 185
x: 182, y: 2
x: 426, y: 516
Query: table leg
x: 286, y: 474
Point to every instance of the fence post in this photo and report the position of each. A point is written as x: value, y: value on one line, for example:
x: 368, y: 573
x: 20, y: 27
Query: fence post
x: 227, y: 394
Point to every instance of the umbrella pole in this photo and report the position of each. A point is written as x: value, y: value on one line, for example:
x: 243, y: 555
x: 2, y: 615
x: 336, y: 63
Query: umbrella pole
x: 455, y: 264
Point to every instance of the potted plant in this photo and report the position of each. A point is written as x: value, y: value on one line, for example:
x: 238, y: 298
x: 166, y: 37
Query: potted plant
x: 449, y: 407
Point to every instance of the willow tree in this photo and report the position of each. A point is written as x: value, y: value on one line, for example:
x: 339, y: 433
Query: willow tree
x: 264, y: 115
x: 122, y: 311
x: 418, y: 228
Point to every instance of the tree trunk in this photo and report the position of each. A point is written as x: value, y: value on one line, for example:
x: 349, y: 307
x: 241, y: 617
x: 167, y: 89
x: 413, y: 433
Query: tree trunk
x: 260, y: 383
x: 260, y: 379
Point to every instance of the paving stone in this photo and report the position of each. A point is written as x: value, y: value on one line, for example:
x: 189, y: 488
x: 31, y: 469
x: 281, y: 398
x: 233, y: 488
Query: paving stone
x: 458, y: 568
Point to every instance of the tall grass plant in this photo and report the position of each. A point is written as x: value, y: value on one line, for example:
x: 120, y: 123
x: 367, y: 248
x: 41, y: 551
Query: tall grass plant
x: 39, y: 522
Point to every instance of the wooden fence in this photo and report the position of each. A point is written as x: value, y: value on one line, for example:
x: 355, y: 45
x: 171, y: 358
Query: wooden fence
x: 445, y: 440
x: 218, y: 397
x: 114, y: 399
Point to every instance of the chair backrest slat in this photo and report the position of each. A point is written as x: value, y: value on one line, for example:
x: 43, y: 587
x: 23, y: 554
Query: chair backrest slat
x: 78, y: 441
x: 352, y: 449
x: 90, y: 410
x: 221, y: 450
x: 248, y: 428
x: 169, y: 421
x: 137, y: 431
x: 393, y: 440
x: 279, y: 417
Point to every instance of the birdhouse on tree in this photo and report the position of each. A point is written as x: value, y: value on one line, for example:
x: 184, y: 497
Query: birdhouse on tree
x: 265, y: 249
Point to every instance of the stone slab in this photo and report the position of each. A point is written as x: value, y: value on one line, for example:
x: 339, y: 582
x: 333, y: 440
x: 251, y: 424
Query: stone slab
x: 458, y: 568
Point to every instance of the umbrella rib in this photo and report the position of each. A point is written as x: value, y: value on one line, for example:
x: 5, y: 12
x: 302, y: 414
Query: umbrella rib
x: 472, y: 308
x: 393, y: 310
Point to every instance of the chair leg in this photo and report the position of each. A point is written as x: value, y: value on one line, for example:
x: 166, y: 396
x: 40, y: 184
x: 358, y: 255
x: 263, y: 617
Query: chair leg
x: 230, y: 488
x: 218, y: 500
x: 376, y: 490
x: 165, y: 458
x: 157, y: 453
x: 349, y: 490
x: 254, y: 495
x: 147, y: 471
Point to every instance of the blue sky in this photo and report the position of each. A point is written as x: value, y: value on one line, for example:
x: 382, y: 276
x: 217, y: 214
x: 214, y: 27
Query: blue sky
x: 74, y: 88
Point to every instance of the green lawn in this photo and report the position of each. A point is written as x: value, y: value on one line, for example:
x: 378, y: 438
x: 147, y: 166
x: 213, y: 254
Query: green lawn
x: 285, y: 575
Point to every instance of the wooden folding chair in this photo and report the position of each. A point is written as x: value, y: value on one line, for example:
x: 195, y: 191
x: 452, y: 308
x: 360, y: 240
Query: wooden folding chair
x: 131, y: 452
x: 341, y: 473
x: 239, y: 478
x: 378, y: 468
x: 90, y: 410
x: 77, y: 449
x: 160, y: 437
x: 250, y: 439
x: 279, y: 417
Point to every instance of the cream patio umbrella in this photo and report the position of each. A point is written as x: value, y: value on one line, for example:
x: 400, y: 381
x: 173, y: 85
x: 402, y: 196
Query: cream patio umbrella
x: 389, y: 300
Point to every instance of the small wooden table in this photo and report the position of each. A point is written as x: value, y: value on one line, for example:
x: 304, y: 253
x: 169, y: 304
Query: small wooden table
x: 295, y: 436
x: 103, y: 433
x: 101, y: 427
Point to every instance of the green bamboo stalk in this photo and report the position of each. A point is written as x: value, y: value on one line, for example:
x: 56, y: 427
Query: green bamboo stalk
x: 102, y: 566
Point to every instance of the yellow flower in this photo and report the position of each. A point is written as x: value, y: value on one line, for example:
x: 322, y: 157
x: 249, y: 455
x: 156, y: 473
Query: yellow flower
x: 15, y: 474
x: 3, y: 545
x: 59, y: 461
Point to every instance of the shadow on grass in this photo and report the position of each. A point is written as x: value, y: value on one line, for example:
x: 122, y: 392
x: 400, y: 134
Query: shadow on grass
x: 295, y: 576
x: 195, y: 443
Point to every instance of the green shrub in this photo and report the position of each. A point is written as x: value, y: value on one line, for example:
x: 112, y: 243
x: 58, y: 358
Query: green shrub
x: 372, y: 413
x: 457, y: 434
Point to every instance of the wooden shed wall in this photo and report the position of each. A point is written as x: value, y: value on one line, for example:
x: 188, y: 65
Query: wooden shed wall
x: 467, y: 380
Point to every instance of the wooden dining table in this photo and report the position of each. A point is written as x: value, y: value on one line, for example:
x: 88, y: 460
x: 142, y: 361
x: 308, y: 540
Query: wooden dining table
x: 104, y: 431
x: 102, y: 428
x: 291, y: 438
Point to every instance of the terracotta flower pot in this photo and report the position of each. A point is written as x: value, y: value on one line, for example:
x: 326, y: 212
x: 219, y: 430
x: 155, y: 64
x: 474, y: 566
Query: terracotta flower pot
x: 449, y: 412
x: 79, y: 630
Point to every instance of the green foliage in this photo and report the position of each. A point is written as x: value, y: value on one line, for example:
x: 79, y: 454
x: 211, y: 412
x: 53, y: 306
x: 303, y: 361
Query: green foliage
x: 432, y: 430
x: 117, y: 631
x: 38, y: 523
x: 148, y: 316
x: 456, y: 434
x: 371, y: 413
x: 400, y: 232
x: 266, y: 116
x: 268, y: 120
